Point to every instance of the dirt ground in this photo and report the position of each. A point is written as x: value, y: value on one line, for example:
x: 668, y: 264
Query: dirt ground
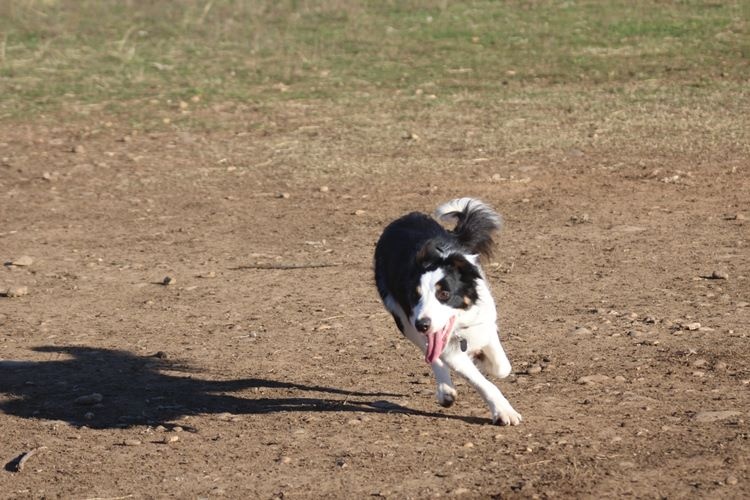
x: 268, y: 368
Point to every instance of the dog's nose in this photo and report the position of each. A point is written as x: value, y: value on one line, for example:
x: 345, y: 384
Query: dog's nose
x: 423, y: 324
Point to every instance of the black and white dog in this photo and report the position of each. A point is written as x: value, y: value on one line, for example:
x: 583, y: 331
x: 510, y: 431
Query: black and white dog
x: 430, y: 281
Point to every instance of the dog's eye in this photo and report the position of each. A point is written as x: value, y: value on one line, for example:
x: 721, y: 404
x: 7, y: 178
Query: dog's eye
x: 443, y: 295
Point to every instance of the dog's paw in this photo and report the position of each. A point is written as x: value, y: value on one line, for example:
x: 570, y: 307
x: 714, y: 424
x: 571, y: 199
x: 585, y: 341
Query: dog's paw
x: 506, y: 416
x: 446, y: 395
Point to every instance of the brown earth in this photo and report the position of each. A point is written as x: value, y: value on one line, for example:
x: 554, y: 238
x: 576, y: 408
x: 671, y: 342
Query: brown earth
x: 271, y: 361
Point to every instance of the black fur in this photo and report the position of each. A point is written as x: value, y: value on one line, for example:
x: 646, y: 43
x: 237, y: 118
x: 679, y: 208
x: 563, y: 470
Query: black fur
x: 475, y: 226
x: 416, y: 243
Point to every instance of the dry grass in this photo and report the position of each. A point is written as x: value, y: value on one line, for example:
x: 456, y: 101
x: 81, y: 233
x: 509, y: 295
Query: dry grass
x: 487, y: 77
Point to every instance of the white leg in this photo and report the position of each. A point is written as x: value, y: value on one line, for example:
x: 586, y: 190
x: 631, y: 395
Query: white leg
x: 497, y: 360
x: 446, y: 393
x: 501, y: 410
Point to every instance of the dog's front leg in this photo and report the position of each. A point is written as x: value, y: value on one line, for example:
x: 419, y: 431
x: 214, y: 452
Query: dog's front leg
x: 501, y: 410
x: 446, y: 393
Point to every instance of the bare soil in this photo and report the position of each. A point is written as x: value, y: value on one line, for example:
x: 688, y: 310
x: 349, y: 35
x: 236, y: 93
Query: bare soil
x: 267, y: 368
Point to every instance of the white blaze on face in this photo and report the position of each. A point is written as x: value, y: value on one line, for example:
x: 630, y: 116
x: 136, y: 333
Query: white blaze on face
x: 442, y: 317
x: 429, y: 306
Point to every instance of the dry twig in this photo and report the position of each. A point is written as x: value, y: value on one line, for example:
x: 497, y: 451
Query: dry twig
x: 19, y: 463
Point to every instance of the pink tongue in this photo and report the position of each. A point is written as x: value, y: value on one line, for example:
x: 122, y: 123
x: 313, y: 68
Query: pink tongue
x: 436, y: 341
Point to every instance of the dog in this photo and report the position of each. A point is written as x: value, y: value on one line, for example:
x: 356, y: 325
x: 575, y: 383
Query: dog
x: 431, y: 282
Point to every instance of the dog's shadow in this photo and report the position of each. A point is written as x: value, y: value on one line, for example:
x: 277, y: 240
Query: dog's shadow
x: 137, y: 390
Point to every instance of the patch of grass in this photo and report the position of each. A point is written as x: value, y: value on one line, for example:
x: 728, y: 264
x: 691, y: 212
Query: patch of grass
x: 75, y: 54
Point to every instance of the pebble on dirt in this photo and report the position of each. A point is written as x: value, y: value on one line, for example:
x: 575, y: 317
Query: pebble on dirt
x: 89, y: 399
x: 22, y: 261
x: 719, y: 275
x: 15, y: 291
x: 714, y: 416
x: 593, y: 379
x: 168, y: 280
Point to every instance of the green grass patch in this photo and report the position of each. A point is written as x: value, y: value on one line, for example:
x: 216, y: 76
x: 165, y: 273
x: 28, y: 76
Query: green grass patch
x: 78, y: 53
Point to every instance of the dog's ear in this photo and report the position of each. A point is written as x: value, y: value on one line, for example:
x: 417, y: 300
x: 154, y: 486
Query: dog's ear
x: 429, y: 254
x: 466, y: 268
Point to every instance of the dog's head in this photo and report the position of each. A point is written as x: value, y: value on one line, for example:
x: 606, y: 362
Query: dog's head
x: 445, y: 285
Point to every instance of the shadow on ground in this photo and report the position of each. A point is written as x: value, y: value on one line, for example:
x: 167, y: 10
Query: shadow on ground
x: 136, y: 390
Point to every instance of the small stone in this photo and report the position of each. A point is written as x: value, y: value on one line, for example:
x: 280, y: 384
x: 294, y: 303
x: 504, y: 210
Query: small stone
x: 340, y: 462
x: 620, y: 378
x: 593, y: 379
x: 359, y: 212
x: 460, y: 491
x: 699, y: 363
x: 699, y: 373
x: 731, y: 480
x: 209, y: 274
x: 468, y: 444
x: 78, y: 149
x: 581, y: 330
x: 285, y: 460
x: 284, y: 196
x: 168, y: 280
x: 131, y: 442
x: 719, y: 275
x: 354, y: 421
x: 177, y: 428
x: 720, y: 366
x: 534, y: 369
x: 22, y: 261
x: 89, y: 399
x: 323, y: 189
x: 171, y: 439
x: 692, y: 326
x: 714, y: 416
x: 16, y: 291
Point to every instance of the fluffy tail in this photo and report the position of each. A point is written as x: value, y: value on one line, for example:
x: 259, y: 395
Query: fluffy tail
x: 475, y: 223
